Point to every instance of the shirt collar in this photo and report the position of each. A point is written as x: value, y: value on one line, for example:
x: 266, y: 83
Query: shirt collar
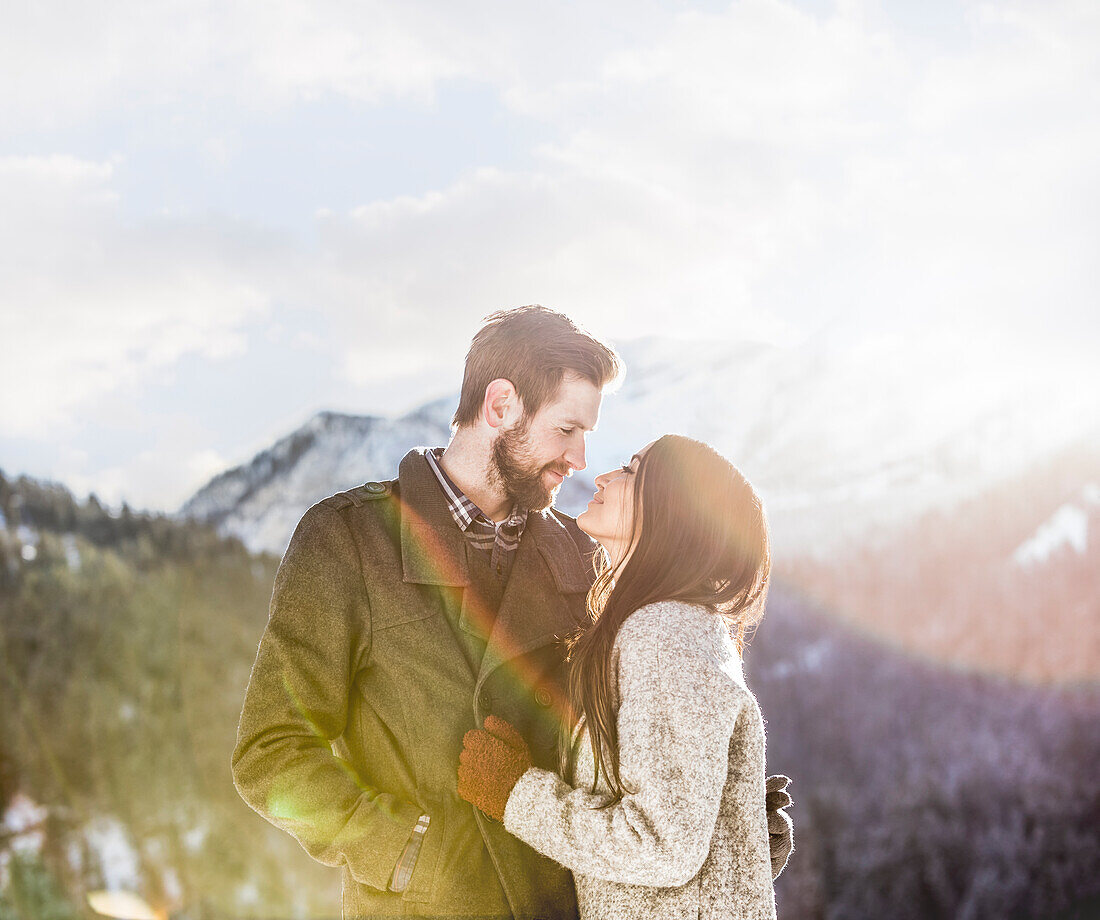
x: 463, y: 509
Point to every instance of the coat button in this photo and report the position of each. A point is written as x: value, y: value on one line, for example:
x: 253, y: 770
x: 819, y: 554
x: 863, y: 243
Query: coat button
x: 486, y: 700
x: 375, y: 487
x: 542, y: 696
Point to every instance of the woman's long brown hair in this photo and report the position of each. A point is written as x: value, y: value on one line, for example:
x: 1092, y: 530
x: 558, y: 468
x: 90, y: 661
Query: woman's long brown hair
x: 699, y: 535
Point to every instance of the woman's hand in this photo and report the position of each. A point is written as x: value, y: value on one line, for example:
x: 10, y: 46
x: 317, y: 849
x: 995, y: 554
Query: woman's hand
x: 492, y: 761
x: 780, y: 826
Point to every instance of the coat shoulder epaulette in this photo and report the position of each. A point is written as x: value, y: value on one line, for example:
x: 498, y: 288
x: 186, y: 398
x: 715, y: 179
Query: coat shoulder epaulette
x: 368, y: 491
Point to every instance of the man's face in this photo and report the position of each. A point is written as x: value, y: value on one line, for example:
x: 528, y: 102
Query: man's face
x: 532, y: 459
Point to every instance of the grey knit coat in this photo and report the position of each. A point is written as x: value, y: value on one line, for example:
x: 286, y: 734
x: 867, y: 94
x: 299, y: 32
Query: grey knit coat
x: 691, y: 840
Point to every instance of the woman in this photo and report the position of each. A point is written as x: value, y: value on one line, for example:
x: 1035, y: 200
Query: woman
x: 664, y: 811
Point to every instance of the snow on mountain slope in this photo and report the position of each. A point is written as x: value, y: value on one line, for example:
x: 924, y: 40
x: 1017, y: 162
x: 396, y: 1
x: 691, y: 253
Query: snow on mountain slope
x: 1067, y: 528
x: 262, y: 501
x: 843, y: 444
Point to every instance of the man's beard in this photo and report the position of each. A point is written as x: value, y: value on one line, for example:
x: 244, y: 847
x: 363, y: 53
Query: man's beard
x: 521, y: 479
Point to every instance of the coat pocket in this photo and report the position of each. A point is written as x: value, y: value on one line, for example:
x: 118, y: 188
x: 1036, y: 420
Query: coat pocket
x: 421, y: 887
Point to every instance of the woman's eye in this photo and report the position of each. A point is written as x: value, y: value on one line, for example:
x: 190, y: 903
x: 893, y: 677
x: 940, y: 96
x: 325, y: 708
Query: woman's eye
x: 566, y: 430
x: 626, y: 468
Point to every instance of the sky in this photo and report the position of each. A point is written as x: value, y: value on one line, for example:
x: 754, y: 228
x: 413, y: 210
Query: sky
x: 220, y: 218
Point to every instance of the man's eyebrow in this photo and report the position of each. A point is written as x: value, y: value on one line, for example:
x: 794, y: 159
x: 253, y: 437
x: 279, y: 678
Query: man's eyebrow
x: 575, y: 424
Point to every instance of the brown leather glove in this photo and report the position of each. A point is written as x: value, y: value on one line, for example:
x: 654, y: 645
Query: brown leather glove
x: 780, y: 826
x: 492, y: 761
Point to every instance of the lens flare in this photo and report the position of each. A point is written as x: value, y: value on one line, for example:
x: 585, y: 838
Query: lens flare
x: 123, y: 905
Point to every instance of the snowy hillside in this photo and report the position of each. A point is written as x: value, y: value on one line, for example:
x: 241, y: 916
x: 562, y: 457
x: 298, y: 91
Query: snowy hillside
x: 844, y: 445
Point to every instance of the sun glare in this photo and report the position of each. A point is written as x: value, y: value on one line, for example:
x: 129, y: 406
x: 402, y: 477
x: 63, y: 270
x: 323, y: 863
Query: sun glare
x: 123, y: 905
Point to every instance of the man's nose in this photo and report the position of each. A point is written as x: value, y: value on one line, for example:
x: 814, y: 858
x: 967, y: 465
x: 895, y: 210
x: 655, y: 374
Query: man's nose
x: 575, y: 457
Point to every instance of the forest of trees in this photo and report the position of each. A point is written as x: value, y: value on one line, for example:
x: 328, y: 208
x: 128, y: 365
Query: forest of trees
x: 125, y: 646
x: 922, y: 791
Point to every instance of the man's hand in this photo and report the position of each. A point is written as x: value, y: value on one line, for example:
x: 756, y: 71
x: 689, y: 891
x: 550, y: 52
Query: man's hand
x: 780, y: 827
x: 492, y: 761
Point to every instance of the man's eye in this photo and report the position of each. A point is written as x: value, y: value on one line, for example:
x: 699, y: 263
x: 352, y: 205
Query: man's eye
x: 567, y: 430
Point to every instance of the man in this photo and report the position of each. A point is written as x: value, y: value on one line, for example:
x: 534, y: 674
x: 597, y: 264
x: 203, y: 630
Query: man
x: 406, y: 611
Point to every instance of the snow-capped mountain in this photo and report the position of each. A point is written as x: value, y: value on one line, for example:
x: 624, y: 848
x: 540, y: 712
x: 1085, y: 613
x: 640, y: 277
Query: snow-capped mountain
x: 261, y: 501
x: 843, y: 445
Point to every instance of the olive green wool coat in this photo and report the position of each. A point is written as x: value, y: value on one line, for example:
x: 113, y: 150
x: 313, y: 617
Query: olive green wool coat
x: 376, y: 659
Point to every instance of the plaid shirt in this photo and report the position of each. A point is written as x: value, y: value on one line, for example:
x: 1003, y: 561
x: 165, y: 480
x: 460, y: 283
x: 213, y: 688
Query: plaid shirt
x: 499, y: 540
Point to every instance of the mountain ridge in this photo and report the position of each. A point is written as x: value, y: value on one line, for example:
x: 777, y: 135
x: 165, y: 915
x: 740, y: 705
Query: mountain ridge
x: 840, y: 449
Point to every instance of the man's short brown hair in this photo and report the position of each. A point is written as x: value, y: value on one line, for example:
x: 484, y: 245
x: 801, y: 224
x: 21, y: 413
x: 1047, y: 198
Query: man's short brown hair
x: 533, y: 347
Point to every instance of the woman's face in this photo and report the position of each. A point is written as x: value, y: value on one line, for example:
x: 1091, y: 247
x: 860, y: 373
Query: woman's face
x: 609, y: 517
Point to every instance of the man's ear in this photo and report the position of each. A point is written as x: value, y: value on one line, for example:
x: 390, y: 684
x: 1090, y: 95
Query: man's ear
x: 502, y: 406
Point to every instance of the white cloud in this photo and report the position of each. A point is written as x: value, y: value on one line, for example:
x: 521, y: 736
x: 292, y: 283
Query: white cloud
x: 617, y: 256
x: 756, y: 171
x: 62, y: 63
x: 91, y: 305
x: 761, y: 171
x: 858, y: 175
x: 69, y: 63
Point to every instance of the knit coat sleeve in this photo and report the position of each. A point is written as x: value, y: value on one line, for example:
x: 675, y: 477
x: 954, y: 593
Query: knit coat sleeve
x: 679, y: 704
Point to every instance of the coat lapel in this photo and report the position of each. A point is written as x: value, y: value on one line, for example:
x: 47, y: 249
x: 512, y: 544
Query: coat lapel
x: 533, y: 611
x: 433, y: 551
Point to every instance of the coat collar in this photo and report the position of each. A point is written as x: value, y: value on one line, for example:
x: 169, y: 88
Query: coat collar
x: 432, y: 547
